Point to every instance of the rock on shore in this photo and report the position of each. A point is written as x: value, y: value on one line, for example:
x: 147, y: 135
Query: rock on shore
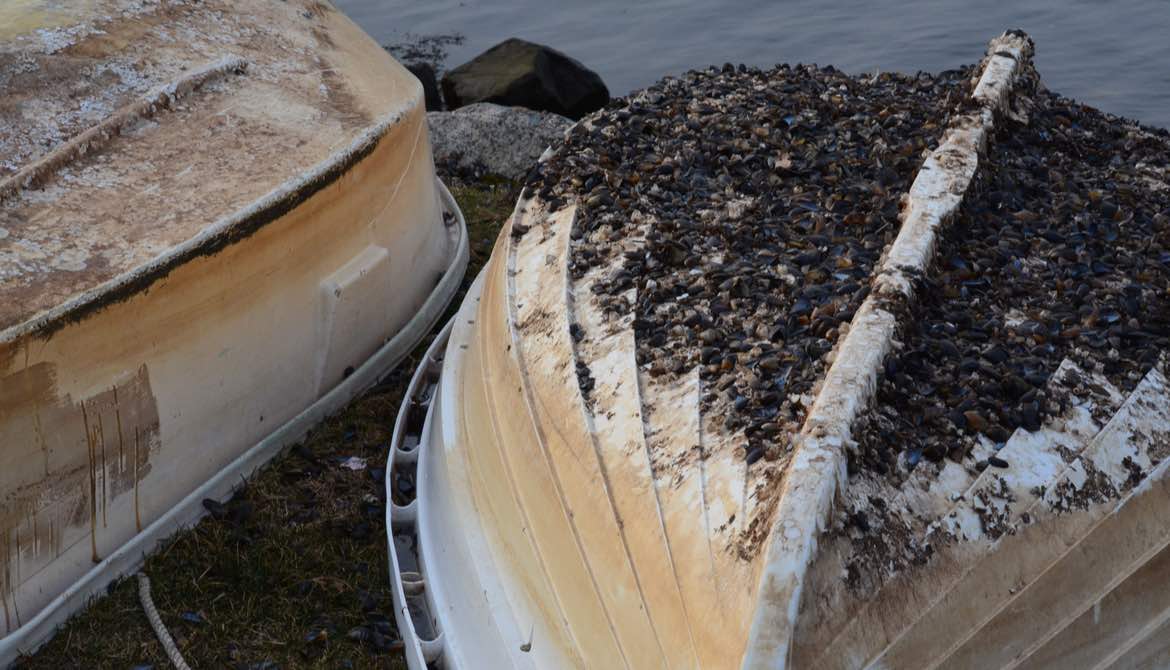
x: 488, y: 138
x: 523, y: 74
x: 425, y: 73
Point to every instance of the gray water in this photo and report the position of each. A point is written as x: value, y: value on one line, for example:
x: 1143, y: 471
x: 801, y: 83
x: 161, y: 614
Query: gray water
x: 1112, y: 55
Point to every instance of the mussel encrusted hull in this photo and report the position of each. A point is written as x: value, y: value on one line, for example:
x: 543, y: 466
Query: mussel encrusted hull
x: 790, y: 368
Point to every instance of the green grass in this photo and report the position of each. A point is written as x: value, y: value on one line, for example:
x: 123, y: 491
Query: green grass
x: 300, y: 559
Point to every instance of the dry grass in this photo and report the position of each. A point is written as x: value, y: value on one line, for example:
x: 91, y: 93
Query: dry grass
x: 294, y: 573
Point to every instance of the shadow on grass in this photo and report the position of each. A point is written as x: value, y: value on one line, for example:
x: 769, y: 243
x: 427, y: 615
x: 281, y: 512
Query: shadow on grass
x: 292, y: 572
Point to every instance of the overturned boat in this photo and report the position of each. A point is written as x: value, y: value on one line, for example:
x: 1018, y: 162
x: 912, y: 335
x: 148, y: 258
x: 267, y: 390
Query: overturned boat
x: 789, y: 368
x: 219, y: 221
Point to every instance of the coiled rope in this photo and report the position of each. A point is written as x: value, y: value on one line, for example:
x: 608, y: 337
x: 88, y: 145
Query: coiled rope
x: 160, y: 630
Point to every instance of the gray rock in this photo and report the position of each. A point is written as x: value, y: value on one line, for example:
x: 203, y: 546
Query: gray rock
x: 490, y: 138
x: 520, y: 73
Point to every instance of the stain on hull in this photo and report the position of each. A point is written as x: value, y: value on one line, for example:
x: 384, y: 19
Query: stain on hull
x: 65, y: 461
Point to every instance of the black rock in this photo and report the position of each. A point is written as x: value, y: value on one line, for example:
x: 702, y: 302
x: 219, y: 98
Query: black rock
x: 523, y: 74
x: 426, y: 76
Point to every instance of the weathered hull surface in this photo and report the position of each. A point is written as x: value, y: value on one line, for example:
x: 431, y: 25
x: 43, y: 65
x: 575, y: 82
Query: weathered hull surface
x: 193, y: 284
x: 541, y: 517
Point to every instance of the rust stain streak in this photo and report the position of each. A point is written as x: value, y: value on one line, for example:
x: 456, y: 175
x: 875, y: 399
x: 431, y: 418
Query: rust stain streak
x: 89, y: 437
x: 38, y: 430
x: 8, y: 586
x: 137, y: 510
x: 121, y: 447
x: 102, y: 443
x: 15, y: 600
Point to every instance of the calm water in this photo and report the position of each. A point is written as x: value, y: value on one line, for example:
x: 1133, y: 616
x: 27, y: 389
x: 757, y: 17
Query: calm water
x: 1113, y: 55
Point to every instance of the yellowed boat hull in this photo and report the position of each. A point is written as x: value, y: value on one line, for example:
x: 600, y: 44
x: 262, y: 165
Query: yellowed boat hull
x: 125, y: 402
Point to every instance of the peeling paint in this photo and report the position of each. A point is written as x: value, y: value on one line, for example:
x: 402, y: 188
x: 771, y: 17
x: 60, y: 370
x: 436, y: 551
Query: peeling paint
x: 59, y: 480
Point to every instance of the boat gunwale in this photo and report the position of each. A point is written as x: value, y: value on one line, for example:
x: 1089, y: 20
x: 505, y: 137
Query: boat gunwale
x: 220, y: 234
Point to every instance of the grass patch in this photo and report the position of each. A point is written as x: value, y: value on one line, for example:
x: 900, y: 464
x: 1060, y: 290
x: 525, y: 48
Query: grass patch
x: 292, y: 572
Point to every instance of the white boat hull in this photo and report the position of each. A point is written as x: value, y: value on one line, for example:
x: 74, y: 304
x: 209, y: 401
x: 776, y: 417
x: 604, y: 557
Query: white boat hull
x: 560, y: 519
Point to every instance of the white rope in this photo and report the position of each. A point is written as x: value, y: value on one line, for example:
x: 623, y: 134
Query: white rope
x: 156, y: 623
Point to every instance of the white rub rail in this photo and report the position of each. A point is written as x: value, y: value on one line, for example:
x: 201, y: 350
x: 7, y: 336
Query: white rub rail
x: 413, y: 603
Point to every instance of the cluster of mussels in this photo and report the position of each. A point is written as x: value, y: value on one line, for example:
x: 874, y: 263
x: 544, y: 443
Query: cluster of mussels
x: 744, y: 209
x: 1063, y: 252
